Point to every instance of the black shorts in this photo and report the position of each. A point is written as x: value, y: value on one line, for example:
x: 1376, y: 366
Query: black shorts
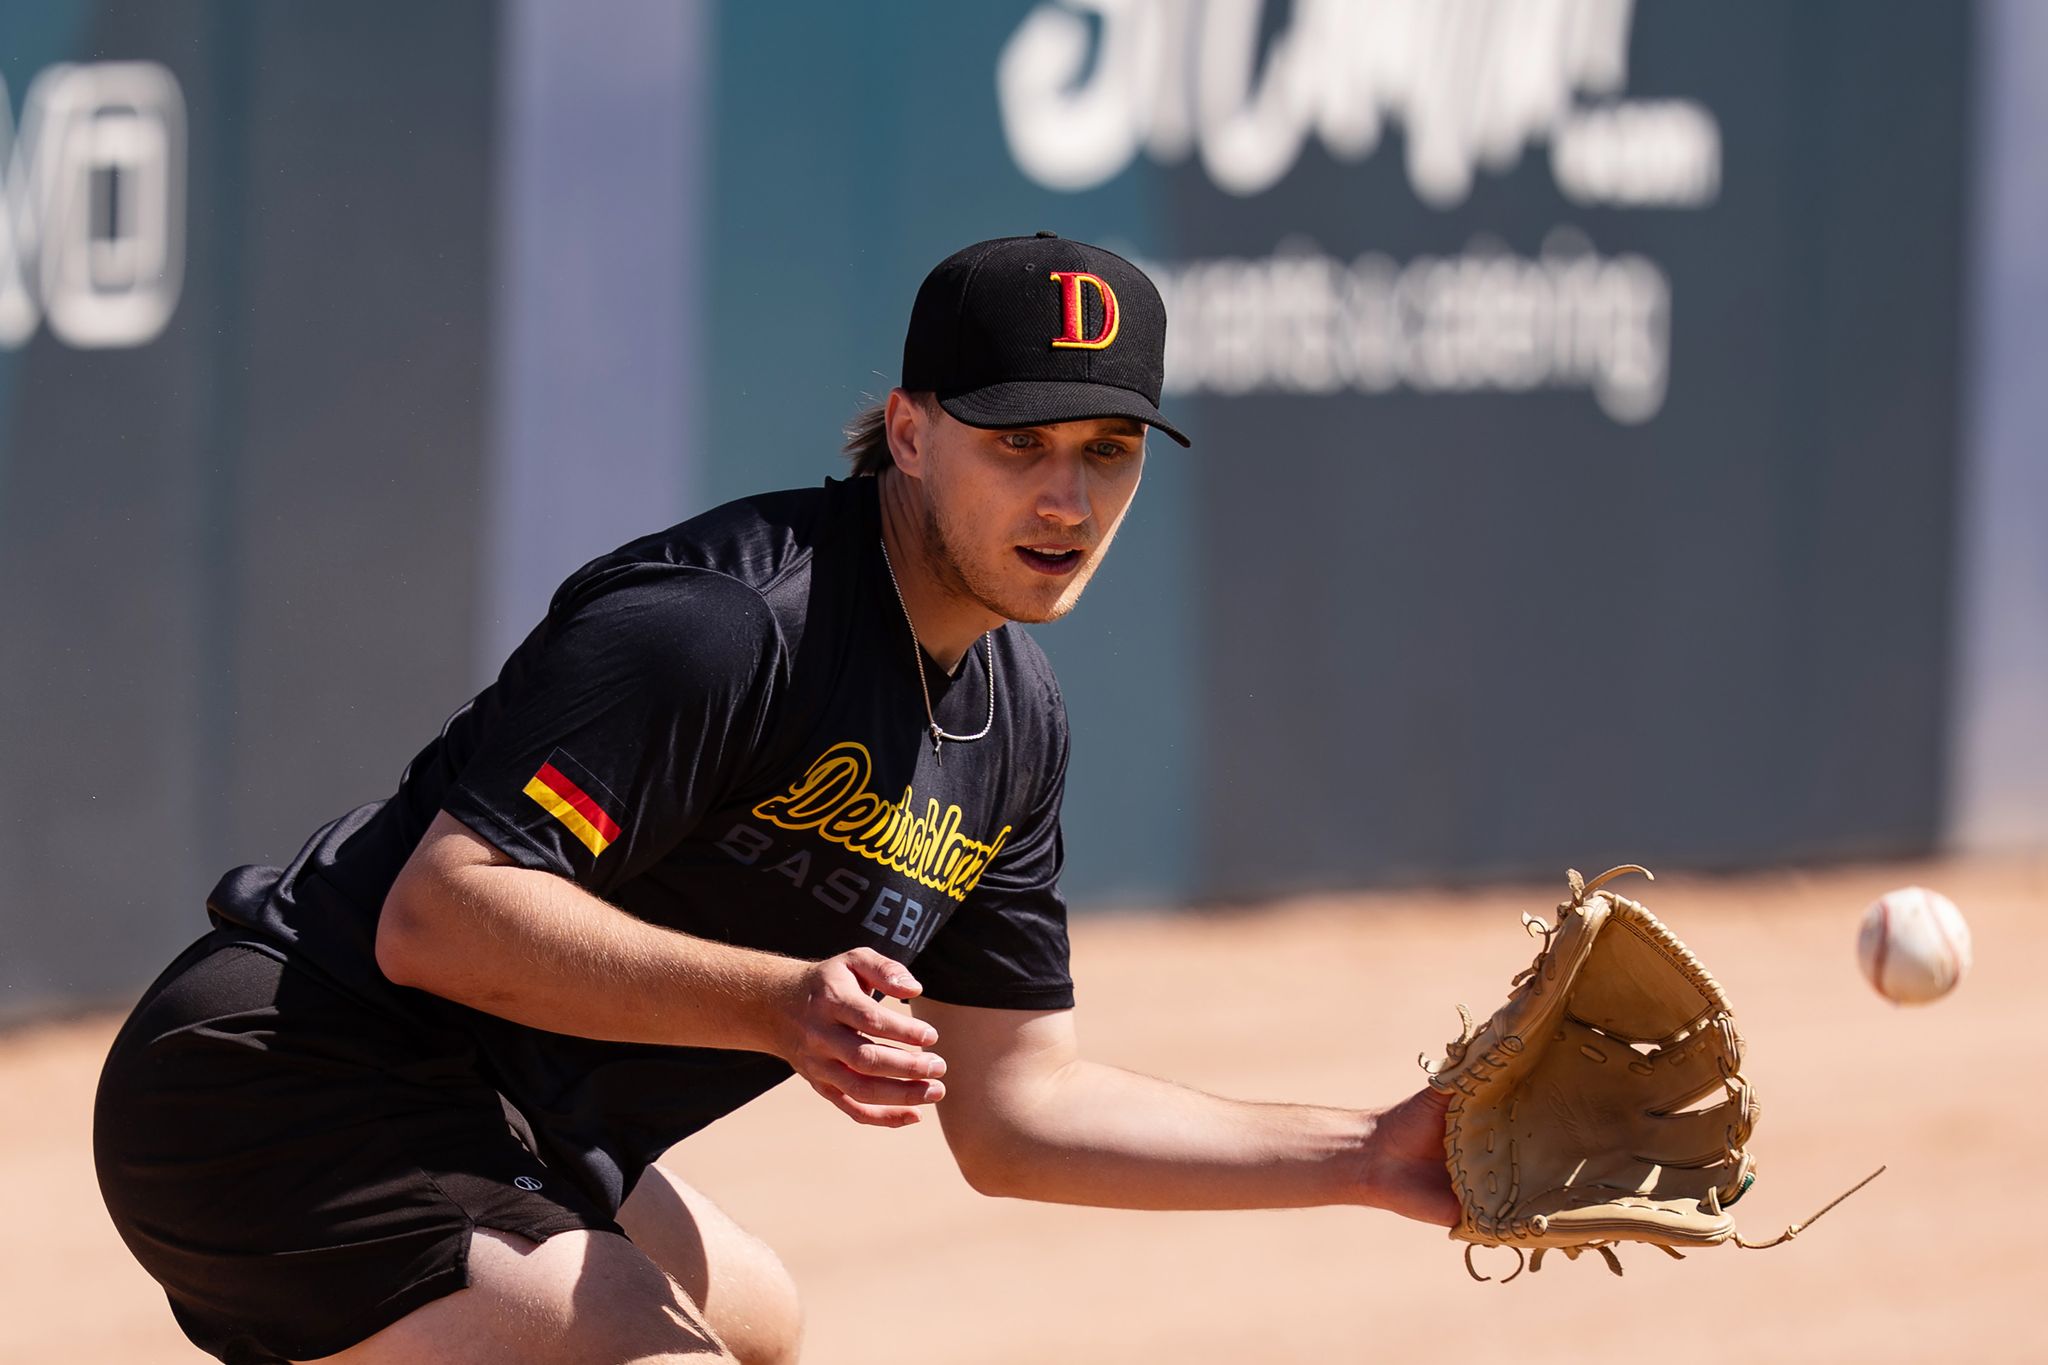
x: 298, y: 1169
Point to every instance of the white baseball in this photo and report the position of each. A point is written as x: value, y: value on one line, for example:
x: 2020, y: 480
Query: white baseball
x: 1913, y: 945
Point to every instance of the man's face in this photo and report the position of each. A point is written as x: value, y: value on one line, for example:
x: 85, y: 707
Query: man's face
x: 1018, y: 518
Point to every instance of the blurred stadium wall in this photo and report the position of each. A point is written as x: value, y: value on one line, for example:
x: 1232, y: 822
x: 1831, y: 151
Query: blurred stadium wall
x: 1618, y: 424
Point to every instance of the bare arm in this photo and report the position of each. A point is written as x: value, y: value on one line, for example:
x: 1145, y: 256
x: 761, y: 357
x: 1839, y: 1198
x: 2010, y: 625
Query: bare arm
x: 465, y: 923
x: 1028, y: 1117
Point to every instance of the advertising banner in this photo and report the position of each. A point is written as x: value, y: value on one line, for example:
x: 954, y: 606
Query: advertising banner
x: 1574, y: 388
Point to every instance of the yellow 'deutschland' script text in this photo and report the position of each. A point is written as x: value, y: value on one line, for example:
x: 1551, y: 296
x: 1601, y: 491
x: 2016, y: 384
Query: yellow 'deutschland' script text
x: 832, y: 797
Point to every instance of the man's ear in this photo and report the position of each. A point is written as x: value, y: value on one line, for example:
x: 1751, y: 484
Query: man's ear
x: 908, y: 426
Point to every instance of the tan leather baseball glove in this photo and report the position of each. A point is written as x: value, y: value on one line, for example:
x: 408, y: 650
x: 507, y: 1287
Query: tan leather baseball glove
x: 1605, y: 1101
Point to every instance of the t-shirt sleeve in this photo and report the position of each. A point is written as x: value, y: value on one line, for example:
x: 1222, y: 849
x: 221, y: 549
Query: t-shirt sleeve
x: 1006, y: 946
x: 621, y: 725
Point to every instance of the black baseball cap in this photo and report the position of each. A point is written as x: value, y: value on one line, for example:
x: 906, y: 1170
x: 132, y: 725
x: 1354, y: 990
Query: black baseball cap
x: 1023, y: 331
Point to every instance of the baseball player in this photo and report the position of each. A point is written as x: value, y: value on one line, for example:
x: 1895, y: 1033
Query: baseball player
x: 751, y: 777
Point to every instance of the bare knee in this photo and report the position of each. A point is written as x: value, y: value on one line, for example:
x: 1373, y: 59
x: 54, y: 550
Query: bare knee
x: 595, y: 1292
x: 767, y: 1328
x: 741, y: 1284
x: 578, y: 1298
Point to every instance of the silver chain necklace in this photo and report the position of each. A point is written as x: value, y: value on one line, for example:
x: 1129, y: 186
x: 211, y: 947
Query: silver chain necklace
x: 988, y: 639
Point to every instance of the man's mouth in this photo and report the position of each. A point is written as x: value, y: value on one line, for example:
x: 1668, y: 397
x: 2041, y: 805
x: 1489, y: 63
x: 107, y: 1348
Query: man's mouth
x: 1050, y: 559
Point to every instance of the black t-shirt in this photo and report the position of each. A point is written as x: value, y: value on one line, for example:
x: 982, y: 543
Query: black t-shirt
x: 719, y: 729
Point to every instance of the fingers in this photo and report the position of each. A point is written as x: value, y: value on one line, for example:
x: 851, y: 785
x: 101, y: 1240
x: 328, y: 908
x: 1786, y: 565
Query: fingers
x: 878, y: 973
x: 873, y: 972
x: 863, y: 1015
x: 875, y: 1073
x: 880, y: 1116
x: 868, y: 1059
x: 882, y: 1090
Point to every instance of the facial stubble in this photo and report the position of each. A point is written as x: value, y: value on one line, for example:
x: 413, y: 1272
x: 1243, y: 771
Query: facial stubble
x: 960, y: 577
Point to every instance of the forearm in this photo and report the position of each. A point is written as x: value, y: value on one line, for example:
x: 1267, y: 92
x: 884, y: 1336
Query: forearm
x: 462, y: 922
x: 539, y: 950
x: 1092, y: 1134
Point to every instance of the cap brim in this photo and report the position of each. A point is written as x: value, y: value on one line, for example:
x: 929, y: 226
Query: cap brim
x: 1038, y: 402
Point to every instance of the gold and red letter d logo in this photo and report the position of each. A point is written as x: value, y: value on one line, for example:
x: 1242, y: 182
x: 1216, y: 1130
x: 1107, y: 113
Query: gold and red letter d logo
x: 1070, y: 282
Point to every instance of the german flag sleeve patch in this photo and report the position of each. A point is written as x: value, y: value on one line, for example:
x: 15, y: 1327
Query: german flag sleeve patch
x: 579, y: 801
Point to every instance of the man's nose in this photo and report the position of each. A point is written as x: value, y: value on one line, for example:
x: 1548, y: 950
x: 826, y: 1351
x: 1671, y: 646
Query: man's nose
x: 1063, y: 497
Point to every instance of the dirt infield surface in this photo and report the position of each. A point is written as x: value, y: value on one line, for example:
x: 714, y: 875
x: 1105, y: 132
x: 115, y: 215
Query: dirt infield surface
x: 1326, y: 1001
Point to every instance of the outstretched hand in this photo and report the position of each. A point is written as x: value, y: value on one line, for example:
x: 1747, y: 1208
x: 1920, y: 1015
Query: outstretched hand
x: 1405, y: 1170
x: 870, y: 1061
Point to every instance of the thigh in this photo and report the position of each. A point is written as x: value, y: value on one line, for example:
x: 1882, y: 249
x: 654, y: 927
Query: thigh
x: 737, y: 1278
x: 579, y: 1298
